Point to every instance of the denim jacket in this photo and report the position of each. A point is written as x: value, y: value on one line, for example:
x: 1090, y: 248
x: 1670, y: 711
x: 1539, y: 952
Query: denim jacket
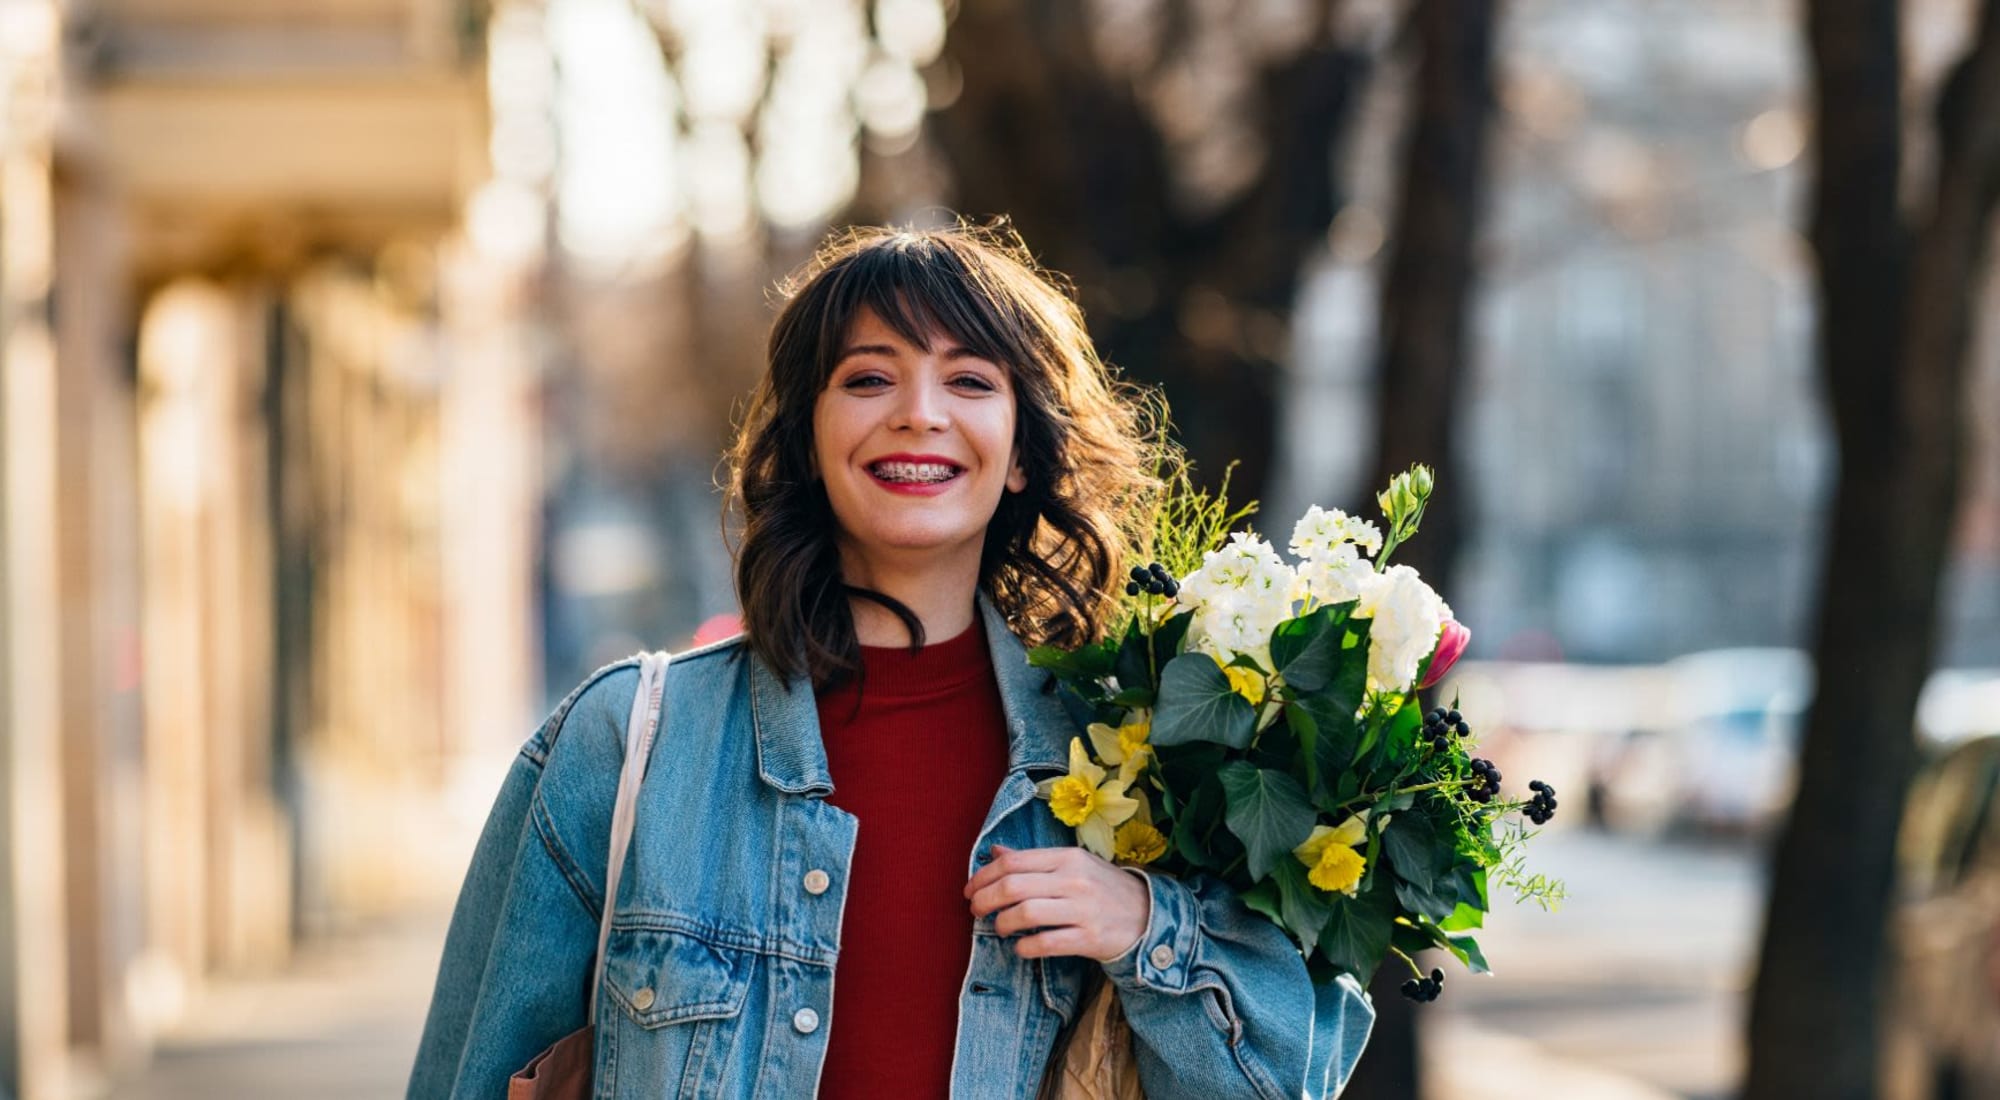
x: 721, y: 962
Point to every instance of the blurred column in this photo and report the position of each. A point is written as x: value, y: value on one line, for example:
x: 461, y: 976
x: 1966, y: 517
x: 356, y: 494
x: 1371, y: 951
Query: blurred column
x: 99, y: 598
x: 217, y: 869
x: 33, y: 989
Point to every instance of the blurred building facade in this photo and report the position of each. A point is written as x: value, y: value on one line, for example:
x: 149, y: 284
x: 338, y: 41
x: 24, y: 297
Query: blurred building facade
x: 268, y: 434
x: 1649, y: 456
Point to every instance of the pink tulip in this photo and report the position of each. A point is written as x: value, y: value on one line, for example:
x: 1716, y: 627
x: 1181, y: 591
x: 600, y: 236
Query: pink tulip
x: 1451, y: 643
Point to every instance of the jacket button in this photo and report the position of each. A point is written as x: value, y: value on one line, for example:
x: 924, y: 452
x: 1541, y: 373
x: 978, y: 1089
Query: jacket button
x: 816, y: 881
x: 806, y: 1020
x: 1162, y: 956
x: 642, y: 1000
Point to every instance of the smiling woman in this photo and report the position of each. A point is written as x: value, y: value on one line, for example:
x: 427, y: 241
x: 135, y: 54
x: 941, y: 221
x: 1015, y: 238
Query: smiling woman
x: 935, y: 473
x: 901, y: 358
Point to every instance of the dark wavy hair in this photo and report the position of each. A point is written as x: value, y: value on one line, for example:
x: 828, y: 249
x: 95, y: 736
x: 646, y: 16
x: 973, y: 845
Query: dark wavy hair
x: 1052, y: 557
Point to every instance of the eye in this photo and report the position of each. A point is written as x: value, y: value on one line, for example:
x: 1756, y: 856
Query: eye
x: 864, y: 382
x: 974, y: 382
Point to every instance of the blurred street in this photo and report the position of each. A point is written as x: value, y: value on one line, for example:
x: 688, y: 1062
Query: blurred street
x: 341, y: 1024
x: 1630, y: 992
x: 1641, y: 974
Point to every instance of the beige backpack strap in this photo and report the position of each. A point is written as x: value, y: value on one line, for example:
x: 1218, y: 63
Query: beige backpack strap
x: 647, y: 715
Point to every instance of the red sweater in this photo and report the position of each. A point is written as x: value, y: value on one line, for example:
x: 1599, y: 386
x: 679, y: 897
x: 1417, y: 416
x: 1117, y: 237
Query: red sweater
x: 906, y: 934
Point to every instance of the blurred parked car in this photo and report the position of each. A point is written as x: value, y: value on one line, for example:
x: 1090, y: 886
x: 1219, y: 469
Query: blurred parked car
x: 1733, y: 724
x: 1943, y: 1041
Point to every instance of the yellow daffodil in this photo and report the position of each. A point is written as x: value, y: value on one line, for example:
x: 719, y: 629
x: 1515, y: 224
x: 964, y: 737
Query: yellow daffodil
x: 1126, y: 747
x: 1138, y: 840
x: 1247, y: 682
x: 1087, y: 801
x: 1332, y: 863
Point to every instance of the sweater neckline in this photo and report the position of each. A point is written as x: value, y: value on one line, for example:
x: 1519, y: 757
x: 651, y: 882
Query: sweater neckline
x: 896, y: 672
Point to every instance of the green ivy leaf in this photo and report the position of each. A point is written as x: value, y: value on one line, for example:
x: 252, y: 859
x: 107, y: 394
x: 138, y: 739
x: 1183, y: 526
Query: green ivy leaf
x: 1467, y: 950
x: 1408, y: 841
x: 1263, y: 898
x: 1196, y: 703
x: 1267, y: 811
x: 1357, y: 934
x: 1194, y: 823
x: 1468, y: 881
x: 1307, y: 651
x: 1462, y: 918
x: 1134, y: 697
x: 1134, y: 663
x: 1423, y: 899
x: 1302, y: 724
x: 1305, y: 907
x: 1167, y: 638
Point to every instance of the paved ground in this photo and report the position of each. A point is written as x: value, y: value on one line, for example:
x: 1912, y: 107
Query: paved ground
x: 1642, y: 973
x: 341, y: 1025
x: 1632, y: 991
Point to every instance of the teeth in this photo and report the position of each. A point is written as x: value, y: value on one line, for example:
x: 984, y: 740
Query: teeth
x: 914, y: 471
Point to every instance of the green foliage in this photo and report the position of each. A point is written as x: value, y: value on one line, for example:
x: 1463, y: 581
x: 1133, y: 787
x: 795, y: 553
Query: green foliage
x: 1189, y: 521
x: 1236, y: 788
x: 1197, y: 704
x: 1268, y: 812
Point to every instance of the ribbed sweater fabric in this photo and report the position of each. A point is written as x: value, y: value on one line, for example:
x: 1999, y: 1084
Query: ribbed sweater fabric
x: 917, y: 746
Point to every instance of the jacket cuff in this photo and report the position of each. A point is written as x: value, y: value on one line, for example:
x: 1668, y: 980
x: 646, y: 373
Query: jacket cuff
x: 1162, y: 960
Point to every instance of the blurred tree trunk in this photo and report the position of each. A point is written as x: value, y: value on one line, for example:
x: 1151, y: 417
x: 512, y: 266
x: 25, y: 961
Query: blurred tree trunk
x: 1195, y: 296
x: 1896, y: 293
x: 1426, y: 298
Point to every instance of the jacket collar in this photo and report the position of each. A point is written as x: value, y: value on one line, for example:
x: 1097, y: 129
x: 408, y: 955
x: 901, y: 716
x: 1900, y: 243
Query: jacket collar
x: 792, y: 757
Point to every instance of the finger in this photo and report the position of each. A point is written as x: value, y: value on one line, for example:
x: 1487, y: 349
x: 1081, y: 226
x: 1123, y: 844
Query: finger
x: 1020, y: 886
x: 1068, y: 940
x: 1039, y: 913
x: 1010, y: 860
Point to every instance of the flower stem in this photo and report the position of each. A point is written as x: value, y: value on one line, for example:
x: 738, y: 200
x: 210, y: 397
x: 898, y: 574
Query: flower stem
x: 1414, y: 968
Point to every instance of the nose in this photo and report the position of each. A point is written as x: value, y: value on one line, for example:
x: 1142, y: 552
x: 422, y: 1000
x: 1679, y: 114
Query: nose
x: 921, y: 406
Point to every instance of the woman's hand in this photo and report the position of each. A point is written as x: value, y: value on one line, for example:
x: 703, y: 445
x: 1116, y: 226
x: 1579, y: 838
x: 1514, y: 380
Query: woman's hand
x: 1083, y: 904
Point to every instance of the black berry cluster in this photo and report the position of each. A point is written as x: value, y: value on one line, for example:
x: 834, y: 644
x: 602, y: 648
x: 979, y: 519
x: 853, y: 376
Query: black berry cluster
x: 1488, y: 780
x: 1153, y: 578
x: 1440, y: 724
x: 1543, y: 806
x: 1425, y: 989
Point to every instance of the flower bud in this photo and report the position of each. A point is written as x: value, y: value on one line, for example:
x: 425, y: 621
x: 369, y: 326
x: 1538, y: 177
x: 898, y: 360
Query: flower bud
x: 1452, y: 641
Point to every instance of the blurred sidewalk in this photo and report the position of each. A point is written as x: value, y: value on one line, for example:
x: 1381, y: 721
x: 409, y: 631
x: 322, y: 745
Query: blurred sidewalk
x: 341, y: 1024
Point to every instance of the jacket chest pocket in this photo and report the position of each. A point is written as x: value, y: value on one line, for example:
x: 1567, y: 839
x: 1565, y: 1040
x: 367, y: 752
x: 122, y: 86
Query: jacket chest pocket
x: 671, y: 1014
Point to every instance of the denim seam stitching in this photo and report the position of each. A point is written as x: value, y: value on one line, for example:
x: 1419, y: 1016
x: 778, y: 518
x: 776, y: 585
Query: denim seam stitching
x: 553, y: 727
x: 720, y: 937
x: 579, y: 883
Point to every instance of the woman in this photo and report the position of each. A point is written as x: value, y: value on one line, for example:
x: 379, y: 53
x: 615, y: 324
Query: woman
x: 935, y: 472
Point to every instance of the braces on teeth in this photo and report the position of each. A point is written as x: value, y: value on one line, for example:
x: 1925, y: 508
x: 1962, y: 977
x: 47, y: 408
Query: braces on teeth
x: 911, y: 471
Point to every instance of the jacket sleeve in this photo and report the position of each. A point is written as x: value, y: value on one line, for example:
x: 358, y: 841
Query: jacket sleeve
x: 515, y: 975
x: 1220, y: 1003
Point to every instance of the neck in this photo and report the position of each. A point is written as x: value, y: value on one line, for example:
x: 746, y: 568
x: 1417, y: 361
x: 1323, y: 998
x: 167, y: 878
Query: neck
x: 939, y: 593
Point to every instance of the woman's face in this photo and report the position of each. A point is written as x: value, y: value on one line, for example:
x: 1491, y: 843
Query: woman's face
x: 915, y: 446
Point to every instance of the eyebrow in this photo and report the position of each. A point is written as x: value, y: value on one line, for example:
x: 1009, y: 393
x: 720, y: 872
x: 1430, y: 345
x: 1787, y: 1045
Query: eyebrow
x: 959, y: 352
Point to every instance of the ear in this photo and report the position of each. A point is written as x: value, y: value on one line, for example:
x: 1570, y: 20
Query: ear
x: 1017, y: 477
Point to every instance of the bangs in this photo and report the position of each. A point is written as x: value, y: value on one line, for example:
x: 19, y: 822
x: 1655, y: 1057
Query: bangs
x: 921, y: 286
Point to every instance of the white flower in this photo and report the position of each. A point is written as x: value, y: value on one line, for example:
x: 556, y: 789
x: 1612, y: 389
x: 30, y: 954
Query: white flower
x: 1407, y: 616
x: 1239, y: 595
x: 1333, y: 579
x: 1324, y: 534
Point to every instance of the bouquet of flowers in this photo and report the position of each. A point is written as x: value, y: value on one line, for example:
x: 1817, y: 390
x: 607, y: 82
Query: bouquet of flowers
x: 1258, y: 721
